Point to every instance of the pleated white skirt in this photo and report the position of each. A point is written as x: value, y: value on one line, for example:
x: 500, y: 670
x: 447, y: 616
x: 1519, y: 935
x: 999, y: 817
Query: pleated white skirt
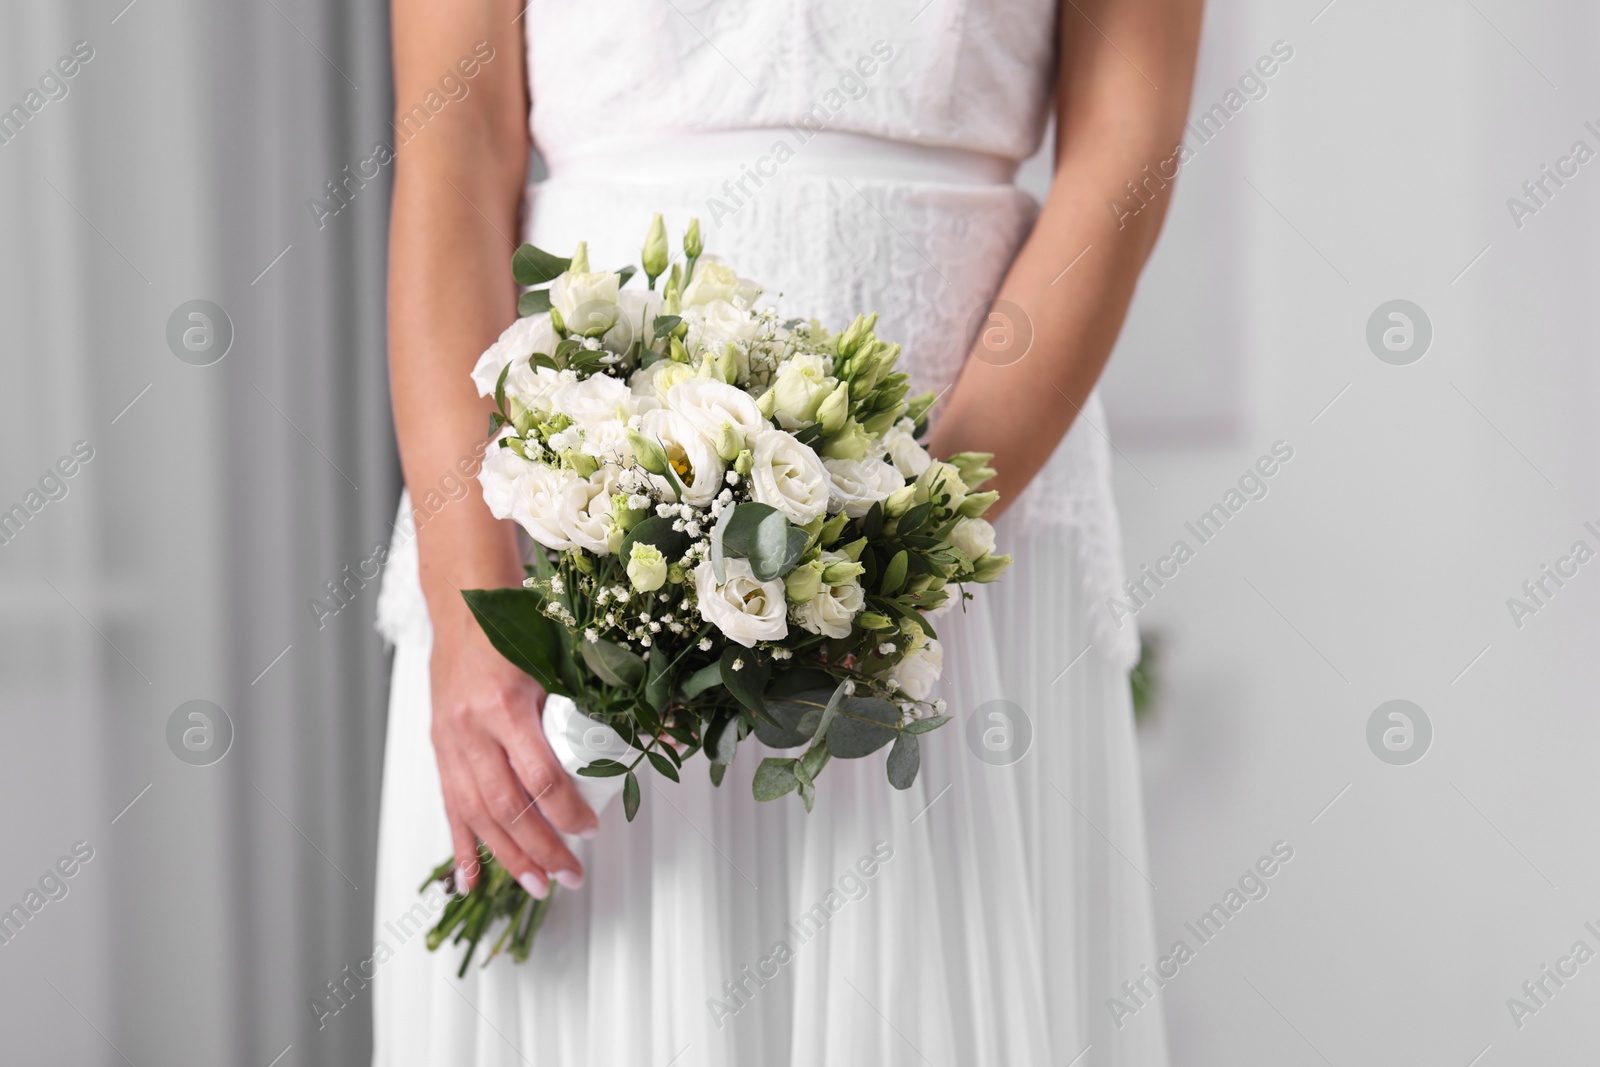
x: 984, y: 916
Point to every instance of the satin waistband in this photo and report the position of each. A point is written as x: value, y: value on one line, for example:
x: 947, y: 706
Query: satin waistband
x: 760, y: 154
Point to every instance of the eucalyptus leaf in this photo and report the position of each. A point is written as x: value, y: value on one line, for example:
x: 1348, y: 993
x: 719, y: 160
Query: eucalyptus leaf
x: 862, y: 727
x: 922, y: 726
x: 612, y: 663
x: 665, y: 324
x: 774, y: 778
x: 656, y: 531
x: 533, y: 302
x: 718, y: 772
x: 535, y: 266
x: 658, y: 681
x: 905, y: 759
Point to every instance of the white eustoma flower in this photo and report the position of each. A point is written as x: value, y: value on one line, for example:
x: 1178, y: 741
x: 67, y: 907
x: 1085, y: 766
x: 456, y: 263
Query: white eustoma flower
x: 800, y: 388
x: 546, y: 500
x: 587, y: 301
x: 901, y: 448
x: 857, y: 484
x: 788, y: 476
x: 655, y: 381
x: 607, y: 441
x: 714, y: 327
x: 715, y: 280
x: 693, y: 458
x: 744, y: 609
x: 973, y: 538
x: 709, y: 405
x: 498, y: 476
x: 834, y: 607
x: 517, y: 342
x: 918, y: 672
x: 636, y: 315
x: 591, y: 401
x: 590, y: 526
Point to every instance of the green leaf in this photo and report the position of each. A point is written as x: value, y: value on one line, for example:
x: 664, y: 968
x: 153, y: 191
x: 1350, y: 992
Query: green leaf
x: 913, y: 519
x: 665, y: 324
x: 500, y: 386
x: 905, y: 759
x: 748, y: 681
x: 862, y: 727
x: 816, y: 758
x: 603, y: 768
x: 630, y: 796
x: 613, y: 664
x: 535, y: 266
x: 797, y: 680
x: 624, y: 274
x: 662, y: 765
x: 762, y: 535
x: 718, y: 532
x: 718, y: 772
x: 701, y: 680
x: 722, y: 739
x: 829, y: 714
x: 774, y: 778
x: 532, y: 302
x: 521, y: 632
x: 784, y: 726
x: 658, y: 681
x: 872, y: 524
x: 922, y: 726
x: 655, y: 531
x: 894, y: 575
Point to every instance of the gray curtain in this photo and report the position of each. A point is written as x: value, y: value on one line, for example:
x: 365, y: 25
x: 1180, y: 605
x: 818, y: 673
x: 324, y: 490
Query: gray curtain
x: 178, y: 561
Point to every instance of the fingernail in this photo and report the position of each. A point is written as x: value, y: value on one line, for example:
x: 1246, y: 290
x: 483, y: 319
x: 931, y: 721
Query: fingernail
x: 537, y: 887
x: 463, y: 879
x: 590, y: 833
x: 570, y: 879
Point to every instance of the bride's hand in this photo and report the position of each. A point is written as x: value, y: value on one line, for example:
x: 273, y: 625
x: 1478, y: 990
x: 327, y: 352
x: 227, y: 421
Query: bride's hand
x: 502, y: 784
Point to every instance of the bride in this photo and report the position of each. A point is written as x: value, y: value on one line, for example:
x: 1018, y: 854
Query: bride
x: 851, y: 156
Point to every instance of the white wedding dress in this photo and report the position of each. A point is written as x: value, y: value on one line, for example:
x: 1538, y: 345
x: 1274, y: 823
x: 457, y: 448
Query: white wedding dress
x: 1007, y: 898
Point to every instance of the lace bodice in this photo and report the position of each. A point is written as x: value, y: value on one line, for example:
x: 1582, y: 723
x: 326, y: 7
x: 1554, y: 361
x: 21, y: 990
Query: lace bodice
x: 927, y: 72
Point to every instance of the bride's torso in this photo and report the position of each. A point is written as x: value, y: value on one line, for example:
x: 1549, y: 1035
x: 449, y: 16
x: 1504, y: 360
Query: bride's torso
x: 851, y: 156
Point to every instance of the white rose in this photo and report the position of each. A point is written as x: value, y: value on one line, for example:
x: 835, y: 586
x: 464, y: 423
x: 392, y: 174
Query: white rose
x: 594, y: 400
x: 498, y: 475
x: 652, y: 383
x: 745, y: 610
x: 715, y: 280
x: 636, y: 315
x: 519, y: 341
x: 607, y: 441
x: 709, y: 405
x: 801, y: 386
x: 901, y: 449
x: 832, y: 610
x: 918, y: 672
x: 587, y: 301
x: 693, y: 458
x: 973, y: 538
x: 590, y: 526
x: 788, y: 476
x: 546, y: 501
x: 857, y: 484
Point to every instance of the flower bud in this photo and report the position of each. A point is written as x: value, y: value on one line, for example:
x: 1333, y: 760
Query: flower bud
x: 728, y: 364
x: 654, y: 256
x: 977, y: 503
x: 843, y: 571
x: 767, y: 403
x: 991, y: 567
x: 743, y: 461
x: 899, y: 502
x: 557, y: 323
x: 871, y: 620
x: 647, y: 567
x: 853, y: 549
x: 852, y: 442
x: 649, y: 454
x: 803, y: 582
x: 729, y: 442
x: 581, y: 462
x: 677, y: 574
x: 580, y: 259
x: 691, y: 240
x: 579, y: 559
x: 974, y: 467
x: 832, y: 529
x: 835, y: 409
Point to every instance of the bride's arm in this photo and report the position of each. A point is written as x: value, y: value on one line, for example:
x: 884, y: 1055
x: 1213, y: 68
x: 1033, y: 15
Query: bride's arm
x: 457, y: 193
x: 1123, y: 94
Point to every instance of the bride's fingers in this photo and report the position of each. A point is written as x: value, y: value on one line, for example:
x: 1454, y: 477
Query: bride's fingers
x: 517, y: 818
x: 546, y: 781
x: 530, y: 875
x: 465, y: 847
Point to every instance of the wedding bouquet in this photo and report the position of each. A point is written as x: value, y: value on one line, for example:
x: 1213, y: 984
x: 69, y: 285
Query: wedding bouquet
x: 738, y: 533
